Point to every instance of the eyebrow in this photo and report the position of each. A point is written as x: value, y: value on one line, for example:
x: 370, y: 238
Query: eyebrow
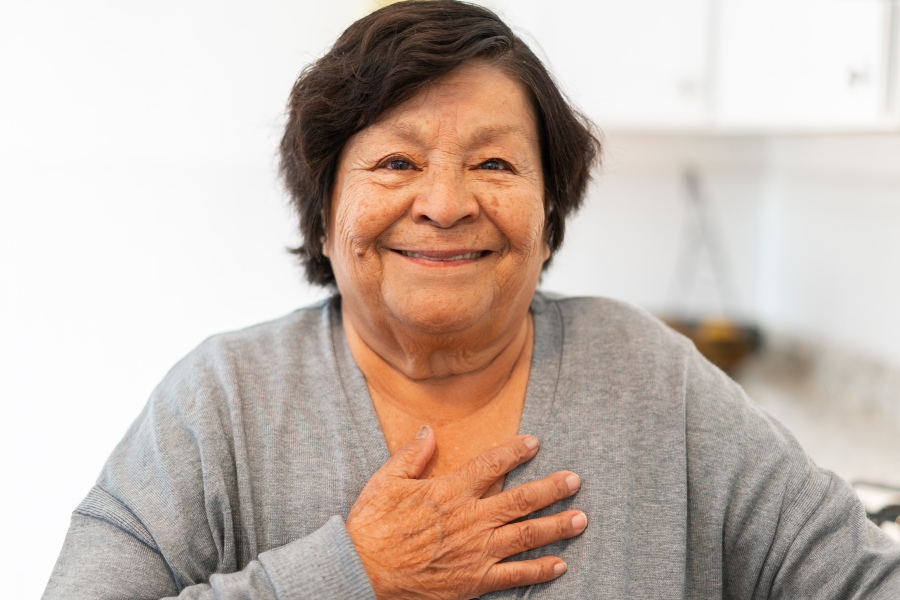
x: 489, y: 133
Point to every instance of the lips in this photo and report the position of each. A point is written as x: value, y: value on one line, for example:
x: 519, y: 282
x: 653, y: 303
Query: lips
x: 436, y: 255
x: 444, y: 255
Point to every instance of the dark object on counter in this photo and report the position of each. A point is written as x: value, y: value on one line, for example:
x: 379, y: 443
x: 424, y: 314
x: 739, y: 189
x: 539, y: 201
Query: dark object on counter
x: 882, y: 502
x: 723, y: 341
x: 888, y: 513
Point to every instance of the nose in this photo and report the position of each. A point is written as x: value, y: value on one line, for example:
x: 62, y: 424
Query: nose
x: 445, y: 201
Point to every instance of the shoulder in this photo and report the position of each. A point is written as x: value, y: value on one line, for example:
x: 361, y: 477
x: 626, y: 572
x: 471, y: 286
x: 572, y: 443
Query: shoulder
x: 284, y: 345
x: 616, y: 336
x: 596, y: 315
x: 231, y: 394
x: 245, y: 374
x: 303, y: 330
x: 642, y: 352
x: 639, y: 365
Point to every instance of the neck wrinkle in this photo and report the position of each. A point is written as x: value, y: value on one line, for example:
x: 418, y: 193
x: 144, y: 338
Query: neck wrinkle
x: 454, y: 396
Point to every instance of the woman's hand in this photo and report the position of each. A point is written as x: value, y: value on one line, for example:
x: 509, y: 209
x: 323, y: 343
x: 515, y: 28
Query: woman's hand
x: 438, y: 538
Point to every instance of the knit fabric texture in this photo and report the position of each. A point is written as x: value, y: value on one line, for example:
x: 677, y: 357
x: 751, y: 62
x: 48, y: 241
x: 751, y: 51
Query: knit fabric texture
x: 235, y: 480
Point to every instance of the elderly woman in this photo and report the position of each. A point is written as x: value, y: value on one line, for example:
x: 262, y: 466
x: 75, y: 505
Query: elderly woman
x: 385, y: 443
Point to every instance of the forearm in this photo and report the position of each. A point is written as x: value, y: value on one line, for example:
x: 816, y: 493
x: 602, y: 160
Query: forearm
x: 100, y: 561
x: 837, y: 553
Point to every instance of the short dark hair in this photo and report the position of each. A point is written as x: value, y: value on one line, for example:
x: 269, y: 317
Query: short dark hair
x: 381, y: 61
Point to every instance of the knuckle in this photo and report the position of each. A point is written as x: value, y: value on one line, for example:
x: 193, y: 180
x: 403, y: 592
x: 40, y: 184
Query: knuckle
x: 490, y: 462
x: 530, y: 534
x: 564, y: 527
x: 543, y: 571
x: 520, y: 449
x: 515, y: 574
x: 520, y: 572
x: 548, y: 570
x: 523, y: 499
x: 562, y: 485
x: 442, y: 495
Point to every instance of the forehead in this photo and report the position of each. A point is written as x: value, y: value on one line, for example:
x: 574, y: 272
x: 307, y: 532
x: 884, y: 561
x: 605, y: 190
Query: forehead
x: 475, y: 104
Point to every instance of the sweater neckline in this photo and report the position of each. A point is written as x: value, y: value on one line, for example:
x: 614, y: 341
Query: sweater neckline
x: 540, y: 396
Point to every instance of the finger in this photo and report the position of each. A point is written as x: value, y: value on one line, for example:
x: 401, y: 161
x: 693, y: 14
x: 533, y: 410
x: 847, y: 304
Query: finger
x: 479, y: 473
x: 534, y: 533
x: 503, y: 576
x: 526, y: 498
x: 410, y: 460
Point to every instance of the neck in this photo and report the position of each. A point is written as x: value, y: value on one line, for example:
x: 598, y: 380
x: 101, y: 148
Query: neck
x: 439, y: 383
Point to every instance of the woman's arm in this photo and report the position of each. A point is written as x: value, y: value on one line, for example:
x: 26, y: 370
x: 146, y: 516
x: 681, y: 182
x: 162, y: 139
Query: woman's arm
x: 767, y: 518
x: 430, y: 539
x: 100, y: 561
x: 833, y: 550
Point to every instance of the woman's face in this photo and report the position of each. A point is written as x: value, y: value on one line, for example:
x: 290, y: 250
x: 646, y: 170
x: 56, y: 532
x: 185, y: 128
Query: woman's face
x: 437, y: 212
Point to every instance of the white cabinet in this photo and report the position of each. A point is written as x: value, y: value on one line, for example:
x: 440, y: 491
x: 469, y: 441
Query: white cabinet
x: 804, y: 65
x: 722, y: 65
x: 628, y: 64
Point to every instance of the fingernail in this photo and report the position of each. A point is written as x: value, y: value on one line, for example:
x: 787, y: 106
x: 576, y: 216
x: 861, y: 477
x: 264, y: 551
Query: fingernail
x: 423, y: 433
x: 530, y: 441
x: 559, y: 569
x: 579, y: 522
x: 573, y: 482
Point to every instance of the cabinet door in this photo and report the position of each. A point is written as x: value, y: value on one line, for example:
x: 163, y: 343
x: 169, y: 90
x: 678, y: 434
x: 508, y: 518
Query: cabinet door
x: 803, y: 64
x: 628, y: 65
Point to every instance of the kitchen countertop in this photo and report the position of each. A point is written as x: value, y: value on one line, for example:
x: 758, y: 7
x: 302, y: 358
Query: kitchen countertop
x: 858, y: 445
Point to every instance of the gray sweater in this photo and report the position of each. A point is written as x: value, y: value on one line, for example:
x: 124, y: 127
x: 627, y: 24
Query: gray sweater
x: 235, y: 479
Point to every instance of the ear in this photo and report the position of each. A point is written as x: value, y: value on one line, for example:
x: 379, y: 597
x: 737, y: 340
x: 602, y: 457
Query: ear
x: 324, y: 238
x: 548, y: 211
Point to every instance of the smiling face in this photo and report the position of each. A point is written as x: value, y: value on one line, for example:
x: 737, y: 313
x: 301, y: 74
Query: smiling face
x: 437, y: 212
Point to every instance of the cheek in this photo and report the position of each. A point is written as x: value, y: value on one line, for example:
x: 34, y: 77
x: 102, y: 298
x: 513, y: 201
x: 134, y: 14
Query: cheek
x: 522, y: 222
x: 361, y: 216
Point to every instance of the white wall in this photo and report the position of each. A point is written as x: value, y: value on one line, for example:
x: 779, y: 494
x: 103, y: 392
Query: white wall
x: 830, y: 242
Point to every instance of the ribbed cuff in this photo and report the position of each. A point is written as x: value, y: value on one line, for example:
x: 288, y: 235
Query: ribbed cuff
x: 322, y: 565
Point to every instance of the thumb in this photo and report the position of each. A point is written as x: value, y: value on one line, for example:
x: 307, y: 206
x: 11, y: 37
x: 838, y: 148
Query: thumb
x: 410, y: 460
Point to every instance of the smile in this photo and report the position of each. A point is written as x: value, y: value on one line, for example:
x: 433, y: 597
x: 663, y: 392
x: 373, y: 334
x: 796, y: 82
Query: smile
x: 434, y: 256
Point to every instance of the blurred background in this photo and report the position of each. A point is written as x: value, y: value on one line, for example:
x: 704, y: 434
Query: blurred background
x: 751, y: 178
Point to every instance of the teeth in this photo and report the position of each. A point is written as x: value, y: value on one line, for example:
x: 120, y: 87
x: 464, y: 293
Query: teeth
x: 460, y: 257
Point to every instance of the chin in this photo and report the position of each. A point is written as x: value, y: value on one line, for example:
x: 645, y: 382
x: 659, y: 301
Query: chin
x: 442, y: 310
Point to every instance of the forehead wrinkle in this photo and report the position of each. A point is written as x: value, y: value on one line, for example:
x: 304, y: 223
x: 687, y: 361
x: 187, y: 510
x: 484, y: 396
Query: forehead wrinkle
x: 471, y: 132
x: 423, y: 123
x: 402, y: 131
x: 487, y: 134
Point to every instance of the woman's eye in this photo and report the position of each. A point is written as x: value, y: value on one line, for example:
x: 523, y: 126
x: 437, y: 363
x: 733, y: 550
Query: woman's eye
x: 493, y: 165
x: 398, y: 164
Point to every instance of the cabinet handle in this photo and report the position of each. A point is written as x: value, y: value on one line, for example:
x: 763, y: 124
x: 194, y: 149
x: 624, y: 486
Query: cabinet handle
x: 858, y: 77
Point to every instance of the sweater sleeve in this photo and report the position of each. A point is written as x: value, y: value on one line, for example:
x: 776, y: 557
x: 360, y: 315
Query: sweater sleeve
x: 177, y: 510
x: 833, y: 550
x: 100, y: 561
x: 785, y: 528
